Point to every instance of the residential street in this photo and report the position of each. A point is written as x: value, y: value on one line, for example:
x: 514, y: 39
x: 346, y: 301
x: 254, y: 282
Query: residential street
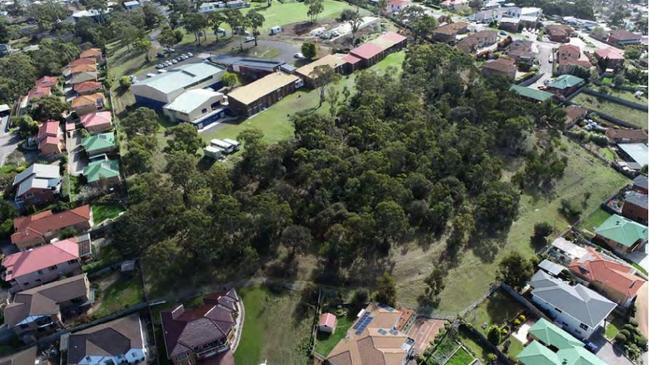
x: 8, y: 142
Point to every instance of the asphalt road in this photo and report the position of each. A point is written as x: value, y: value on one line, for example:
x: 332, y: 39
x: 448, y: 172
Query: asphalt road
x: 8, y: 141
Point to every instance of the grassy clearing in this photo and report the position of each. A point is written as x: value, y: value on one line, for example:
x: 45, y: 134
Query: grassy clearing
x: 594, y: 220
x: 325, y: 343
x: 270, y: 330
x: 628, y: 95
x: 123, y: 293
x: 497, y: 309
x: 461, y: 357
x: 636, y: 117
x: 475, y: 348
x: 476, y: 269
x: 101, y: 212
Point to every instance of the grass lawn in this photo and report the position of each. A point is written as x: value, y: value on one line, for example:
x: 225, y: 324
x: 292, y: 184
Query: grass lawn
x: 325, y: 343
x: 476, y: 269
x: 515, y: 346
x: 461, y: 357
x: 628, y: 95
x: 101, y: 212
x: 70, y: 186
x: 125, y: 292
x: 107, y: 256
x: 497, y: 309
x: 270, y: 331
x: 633, y: 116
x: 608, y: 153
x: 594, y: 220
x: 613, y: 327
x: 475, y: 348
x: 274, y: 122
x: 443, y: 350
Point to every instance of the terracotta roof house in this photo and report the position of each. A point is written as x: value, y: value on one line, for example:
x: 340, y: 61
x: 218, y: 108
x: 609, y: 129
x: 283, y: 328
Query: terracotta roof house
x: 327, y: 323
x: 622, y: 38
x: 564, y: 85
x: 41, y: 310
x: 373, y: 51
x: 50, y: 138
x: 199, y: 334
x: 475, y: 41
x: 81, y: 72
x: 93, y: 53
x: 120, y: 341
x: 503, y: 67
x: 85, y: 104
x: 615, y: 280
x: 569, y: 57
x: 574, y: 114
x: 38, y: 184
x: 38, y: 229
x: 102, y: 171
x: 38, y: 92
x: 521, y: 52
x: 640, y: 183
x: 97, y: 122
x: 24, y: 357
x: 448, y: 32
x: 635, y: 206
x: 83, y: 67
x: 620, y: 135
x: 373, y: 339
x: 559, y: 32
x: 80, y: 61
x: 580, y: 310
x: 99, y: 143
x: 87, y: 87
x: 622, y: 234
x: 47, y: 81
x: 28, y: 269
x: 609, y: 57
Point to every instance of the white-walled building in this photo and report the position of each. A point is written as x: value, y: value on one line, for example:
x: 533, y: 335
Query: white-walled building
x: 198, y: 106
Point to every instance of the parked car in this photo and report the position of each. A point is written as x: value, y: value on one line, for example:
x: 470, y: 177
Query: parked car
x: 159, y: 66
x: 275, y: 30
x: 174, y: 61
x: 190, y: 54
x: 249, y: 39
x: 299, y: 56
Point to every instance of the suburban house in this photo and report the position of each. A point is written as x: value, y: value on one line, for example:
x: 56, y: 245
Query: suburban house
x: 577, y: 309
x: 210, y: 7
x: 131, y: 5
x: 336, y: 61
x: 621, y: 234
x: 120, y: 341
x: 85, y: 104
x: 640, y: 184
x: 38, y: 92
x: 81, y: 73
x: 200, y: 107
x: 447, y: 33
x: 251, y: 68
x: 496, y: 13
x: 609, y: 57
x: 38, y: 184
x: 620, y: 135
x: 623, y: 38
x: 260, y: 94
x: 454, y: 4
x: 565, y: 251
x: 395, y: 6
x: 610, y: 277
x: 24, y: 357
x: 67, y: 70
x: 574, y: 114
x: 28, y: 269
x: 521, y: 52
x: 503, y: 67
x: 375, y: 338
x: 564, y: 85
x: 97, y: 122
x: 102, y: 172
x: 559, y: 32
x: 531, y: 93
x: 510, y: 24
x: 327, y: 323
x: 93, y: 53
x: 375, y: 50
x: 87, y: 87
x: 41, y: 310
x: 569, y: 57
x: 47, y: 81
x: 475, y: 41
x: 99, y: 144
x: 550, y: 345
x: 38, y: 229
x: 198, y: 334
x: 50, y: 138
x: 635, y: 206
x: 634, y: 152
x: 159, y: 90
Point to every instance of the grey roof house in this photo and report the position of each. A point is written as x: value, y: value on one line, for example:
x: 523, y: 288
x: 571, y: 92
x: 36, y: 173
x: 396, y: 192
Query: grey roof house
x: 37, y: 184
x: 575, y: 308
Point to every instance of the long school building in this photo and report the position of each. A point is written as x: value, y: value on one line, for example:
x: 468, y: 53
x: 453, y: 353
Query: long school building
x: 259, y: 95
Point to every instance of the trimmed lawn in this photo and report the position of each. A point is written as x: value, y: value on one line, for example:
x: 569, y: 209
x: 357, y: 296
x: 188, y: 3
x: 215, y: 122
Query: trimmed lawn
x: 497, y: 309
x: 325, y: 343
x: 101, y: 212
x: 475, y: 348
x: 628, y: 95
x: 270, y: 331
x: 123, y: 293
x: 442, y: 351
x: 594, y: 220
x: 633, y: 116
x: 515, y: 346
x: 477, y: 267
x: 613, y: 327
x: 461, y: 357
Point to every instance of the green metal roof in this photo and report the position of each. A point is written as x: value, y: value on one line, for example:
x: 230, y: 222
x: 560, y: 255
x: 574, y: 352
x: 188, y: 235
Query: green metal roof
x: 102, y: 169
x: 99, y: 142
x: 621, y: 230
x: 578, y: 356
x: 531, y: 93
x: 551, y: 335
x: 537, y: 354
x: 565, y: 81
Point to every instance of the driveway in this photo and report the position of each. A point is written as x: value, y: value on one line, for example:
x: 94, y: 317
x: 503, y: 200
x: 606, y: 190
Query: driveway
x: 545, y: 54
x: 8, y: 144
x: 76, y: 158
x: 611, y: 355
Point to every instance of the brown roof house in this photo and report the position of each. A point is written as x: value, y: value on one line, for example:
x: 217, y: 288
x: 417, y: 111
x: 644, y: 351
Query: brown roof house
x: 609, y: 57
x: 87, y: 87
x: 612, y: 278
x: 85, y: 104
x: 93, y: 53
x: 205, y: 332
x: 521, y: 52
x: 635, y: 206
x: 500, y: 67
x: 38, y: 229
x: 448, y: 32
x: 574, y: 114
x: 41, y: 310
x: 569, y: 58
x: 260, y: 94
x: 374, y: 339
x: 623, y: 38
x: 619, y: 135
x: 477, y: 40
x: 81, y: 73
x: 559, y: 32
x: 120, y: 341
x: 24, y: 357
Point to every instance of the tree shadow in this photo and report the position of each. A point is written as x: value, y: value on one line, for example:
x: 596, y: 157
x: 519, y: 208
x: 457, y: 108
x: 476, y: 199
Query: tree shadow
x: 486, y: 246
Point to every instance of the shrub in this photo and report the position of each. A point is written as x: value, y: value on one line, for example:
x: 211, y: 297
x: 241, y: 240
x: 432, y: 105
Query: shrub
x: 620, y: 338
x: 493, y: 335
x: 516, y: 322
x: 125, y: 82
x: 522, y: 318
x: 633, y: 322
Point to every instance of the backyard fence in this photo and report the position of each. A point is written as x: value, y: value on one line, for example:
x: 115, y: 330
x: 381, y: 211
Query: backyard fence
x: 607, y: 117
x: 523, y: 301
x: 482, y: 341
x: 615, y: 99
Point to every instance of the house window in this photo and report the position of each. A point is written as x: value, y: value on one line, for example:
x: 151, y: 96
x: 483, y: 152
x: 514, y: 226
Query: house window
x: 583, y: 327
x: 203, y: 111
x: 40, y: 272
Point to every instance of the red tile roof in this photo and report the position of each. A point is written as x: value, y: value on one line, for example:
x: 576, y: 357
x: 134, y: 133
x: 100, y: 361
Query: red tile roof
x: 39, y: 92
x: 26, y: 262
x: 351, y: 59
x: 39, y: 224
x: 83, y: 100
x: 366, y: 51
x: 328, y: 320
x: 610, y: 53
x: 47, y: 81
x: 96, y: 119
x: 87, y: 67
x: 91, y: 53
x: 48, y: 128
x: 394, y: 37
x: 82, y: 61
x: 594, y: 267
x: 87, y: 86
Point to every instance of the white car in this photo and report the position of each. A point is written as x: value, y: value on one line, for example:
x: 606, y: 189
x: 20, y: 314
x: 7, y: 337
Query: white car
x: 159, y: 66
x: 299, y: 56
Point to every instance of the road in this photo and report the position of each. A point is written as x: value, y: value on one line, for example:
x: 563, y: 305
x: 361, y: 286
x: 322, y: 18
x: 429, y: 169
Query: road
x: 545, y: 54
x: 8, y: 141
